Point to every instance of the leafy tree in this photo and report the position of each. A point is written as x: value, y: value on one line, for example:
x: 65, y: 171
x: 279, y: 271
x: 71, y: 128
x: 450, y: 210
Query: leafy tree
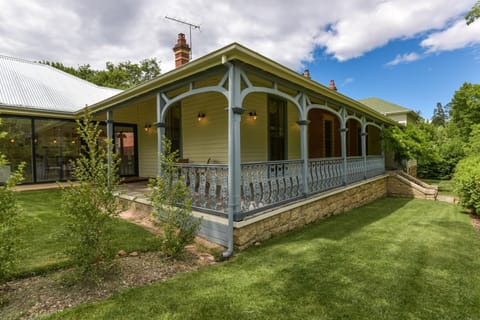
x: 121, y: 76
x: 467, y: 182
x: 473, y: 14
x: 90, y: 205
x: 465, y: 108
x: 170, y: 198
x: 411, y: 142
x: 439, y: 117
x: 9, y: 225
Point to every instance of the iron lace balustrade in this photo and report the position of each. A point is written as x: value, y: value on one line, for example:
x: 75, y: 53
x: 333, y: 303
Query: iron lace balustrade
x: 267, y: 184
x: 355, y: 169
x: 208, y: 186
x: 375, y: 166
x: 324, y: 174
x: 270, y: 184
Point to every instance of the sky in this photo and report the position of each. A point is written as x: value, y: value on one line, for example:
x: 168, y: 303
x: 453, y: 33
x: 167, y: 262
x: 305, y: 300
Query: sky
x: 414, y: 53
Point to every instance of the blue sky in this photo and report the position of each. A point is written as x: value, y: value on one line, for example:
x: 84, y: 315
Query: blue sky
x: 414, y: 53
x: 417, y: 85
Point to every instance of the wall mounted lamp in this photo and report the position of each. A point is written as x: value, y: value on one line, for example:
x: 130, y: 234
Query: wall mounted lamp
x: 147, y: 127
x: 200, y: 116
x: 253, y: 115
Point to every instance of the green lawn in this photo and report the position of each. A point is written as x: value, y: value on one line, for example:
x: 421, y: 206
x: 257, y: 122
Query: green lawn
x: 445, y: 187
x: 392, y: 259
x: 42, y: 224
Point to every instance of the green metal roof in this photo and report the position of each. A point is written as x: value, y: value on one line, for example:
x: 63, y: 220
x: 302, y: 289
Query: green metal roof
x: 384, y: 107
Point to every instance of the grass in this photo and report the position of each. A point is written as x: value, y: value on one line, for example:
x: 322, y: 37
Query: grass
x: 42, y: 224
x: 392, y: 259
x: 445, y: 187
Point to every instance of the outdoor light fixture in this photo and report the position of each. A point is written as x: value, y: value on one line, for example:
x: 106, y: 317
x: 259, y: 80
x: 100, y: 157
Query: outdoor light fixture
x: 54, y: 141
x: 200, y: 116
x: 12, y: 140
x: 147, y: 127
x: 253, y: 115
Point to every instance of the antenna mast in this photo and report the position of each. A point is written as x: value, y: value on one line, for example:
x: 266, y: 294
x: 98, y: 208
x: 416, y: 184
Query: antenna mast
x: 191, y: 25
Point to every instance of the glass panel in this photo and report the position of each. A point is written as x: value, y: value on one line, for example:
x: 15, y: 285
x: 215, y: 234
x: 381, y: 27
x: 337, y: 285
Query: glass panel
x: 17, y: 145
x: 125, y: 147
x: 56, y: 146
x: 277, y: 129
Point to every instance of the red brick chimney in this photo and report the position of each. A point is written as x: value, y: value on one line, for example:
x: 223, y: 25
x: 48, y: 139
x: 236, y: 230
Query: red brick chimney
x: 182, y: 51
x: 332, y: 85
x: 306, y: 73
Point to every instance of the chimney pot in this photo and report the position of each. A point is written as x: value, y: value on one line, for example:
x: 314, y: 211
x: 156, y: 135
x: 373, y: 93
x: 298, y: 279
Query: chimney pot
x: 332, y: 85
x: 181, y: 50
x: 306, y: 74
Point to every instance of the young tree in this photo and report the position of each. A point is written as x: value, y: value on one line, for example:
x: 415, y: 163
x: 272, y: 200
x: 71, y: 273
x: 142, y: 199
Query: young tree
x: 9, y: 216
x: 90, y: 205
x: 169, y: 197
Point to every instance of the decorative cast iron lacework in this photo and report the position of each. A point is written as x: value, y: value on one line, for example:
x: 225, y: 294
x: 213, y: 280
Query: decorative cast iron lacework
x: 375, y: 166
x: 207, y: 184
x: 324, y: 174
x: 266, y: 184
x: 355, y: 169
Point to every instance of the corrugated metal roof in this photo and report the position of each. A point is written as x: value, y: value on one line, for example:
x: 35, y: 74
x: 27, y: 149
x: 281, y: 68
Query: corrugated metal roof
x: 384, y: 106
x: 32, y: 85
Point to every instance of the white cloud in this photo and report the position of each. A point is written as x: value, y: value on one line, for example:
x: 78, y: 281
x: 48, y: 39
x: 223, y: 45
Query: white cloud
x: 459, y: 35
x: 404, y: 58
x: 91, y: 31
x: 347, y: 81
x: 374, y: 25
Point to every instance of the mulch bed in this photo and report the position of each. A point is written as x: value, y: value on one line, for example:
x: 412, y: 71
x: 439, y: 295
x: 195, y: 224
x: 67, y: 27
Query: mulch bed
x: 41, y: 295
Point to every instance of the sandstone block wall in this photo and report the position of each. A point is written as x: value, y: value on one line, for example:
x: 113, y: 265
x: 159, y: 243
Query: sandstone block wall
x: 402, y: 185
x: 297, y: 215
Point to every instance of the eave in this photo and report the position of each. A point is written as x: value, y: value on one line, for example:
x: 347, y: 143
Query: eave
x: 233, y: 52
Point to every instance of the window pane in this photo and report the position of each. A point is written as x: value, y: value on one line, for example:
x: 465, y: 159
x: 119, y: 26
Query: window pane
x: 56, y: 146
x: 17, y: 145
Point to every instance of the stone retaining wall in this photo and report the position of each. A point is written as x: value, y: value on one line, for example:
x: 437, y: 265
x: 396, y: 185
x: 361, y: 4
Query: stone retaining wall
x: 402, y: 185
x: 296, y: 215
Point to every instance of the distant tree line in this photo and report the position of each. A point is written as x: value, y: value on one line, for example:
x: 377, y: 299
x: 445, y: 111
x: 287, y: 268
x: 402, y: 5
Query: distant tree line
x: 123, y: 75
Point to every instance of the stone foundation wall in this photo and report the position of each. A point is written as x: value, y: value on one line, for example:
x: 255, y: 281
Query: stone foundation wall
x: 296, y: 215
x: 402, y: 185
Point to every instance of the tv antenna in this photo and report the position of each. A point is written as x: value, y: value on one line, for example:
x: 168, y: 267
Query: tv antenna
x: 191, y: 25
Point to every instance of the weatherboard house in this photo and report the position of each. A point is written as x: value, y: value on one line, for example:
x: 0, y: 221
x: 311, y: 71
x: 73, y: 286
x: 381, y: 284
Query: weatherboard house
x: 263, y: 149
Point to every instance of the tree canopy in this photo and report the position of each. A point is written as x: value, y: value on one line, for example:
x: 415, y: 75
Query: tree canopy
x: 124, y: 75
x: 474, y: 13
x: 440, y: 115
x: 465, y: 109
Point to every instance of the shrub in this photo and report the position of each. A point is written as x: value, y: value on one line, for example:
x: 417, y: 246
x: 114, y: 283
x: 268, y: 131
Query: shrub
x: 467, y: 182
x: 169, y: 197
x: 9, y: 224
x: 90, y: 204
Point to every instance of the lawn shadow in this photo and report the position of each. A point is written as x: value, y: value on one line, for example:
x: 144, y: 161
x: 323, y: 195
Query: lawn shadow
x: 339, y: 226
